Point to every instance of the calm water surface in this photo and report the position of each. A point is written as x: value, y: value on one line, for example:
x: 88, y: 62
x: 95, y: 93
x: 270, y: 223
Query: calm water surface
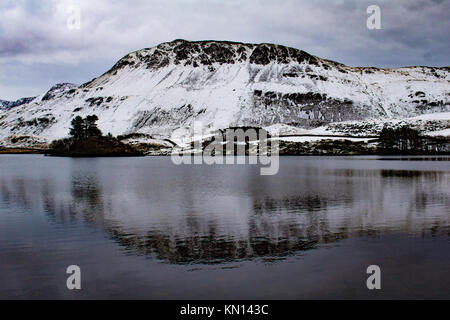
x: 145, y: 228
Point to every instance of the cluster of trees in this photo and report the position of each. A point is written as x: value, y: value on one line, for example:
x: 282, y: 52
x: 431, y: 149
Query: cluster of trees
x: 85, y: 127
x: 86, y: 140
x: 401, y: 140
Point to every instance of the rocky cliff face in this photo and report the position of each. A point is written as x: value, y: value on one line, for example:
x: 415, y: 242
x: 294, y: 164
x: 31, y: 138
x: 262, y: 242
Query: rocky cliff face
x: 223, y: 84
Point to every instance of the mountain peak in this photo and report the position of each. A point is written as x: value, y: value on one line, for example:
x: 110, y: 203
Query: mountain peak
x: 58, y: 89
x: 205, y: 53
x: 6, y: 105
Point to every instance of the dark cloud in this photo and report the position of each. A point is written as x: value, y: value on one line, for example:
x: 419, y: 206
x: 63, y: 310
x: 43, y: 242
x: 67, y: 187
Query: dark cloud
x: 35, y: 40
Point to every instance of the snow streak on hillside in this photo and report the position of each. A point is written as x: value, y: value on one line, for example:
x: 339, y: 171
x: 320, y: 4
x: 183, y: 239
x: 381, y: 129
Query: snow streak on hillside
x: 222, y: 84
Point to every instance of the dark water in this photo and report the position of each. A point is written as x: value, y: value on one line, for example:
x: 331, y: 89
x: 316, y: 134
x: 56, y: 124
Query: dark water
x: 145, y: 228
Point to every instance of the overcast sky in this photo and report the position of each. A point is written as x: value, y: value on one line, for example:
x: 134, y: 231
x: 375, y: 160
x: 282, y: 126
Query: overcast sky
x: 38, y: 49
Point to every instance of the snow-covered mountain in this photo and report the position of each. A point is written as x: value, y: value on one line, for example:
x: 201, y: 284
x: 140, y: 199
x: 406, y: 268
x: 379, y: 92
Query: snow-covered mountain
x: 6, y: 105
x: 222, y: 84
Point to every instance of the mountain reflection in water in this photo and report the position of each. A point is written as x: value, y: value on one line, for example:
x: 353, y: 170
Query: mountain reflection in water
x: 216, y: 214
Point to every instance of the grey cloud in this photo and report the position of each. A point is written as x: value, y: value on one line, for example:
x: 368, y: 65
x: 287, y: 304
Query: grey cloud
x: 34, y: 37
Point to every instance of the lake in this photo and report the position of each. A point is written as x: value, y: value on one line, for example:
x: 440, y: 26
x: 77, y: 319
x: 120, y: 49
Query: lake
x: 144, y: 228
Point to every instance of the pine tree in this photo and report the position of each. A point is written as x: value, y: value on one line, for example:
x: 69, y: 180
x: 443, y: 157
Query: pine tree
x: 84, y: 128
x: 78, y: 129
x: 91, y: 126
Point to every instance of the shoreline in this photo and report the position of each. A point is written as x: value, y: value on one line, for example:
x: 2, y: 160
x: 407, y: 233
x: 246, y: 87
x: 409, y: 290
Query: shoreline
x: 46, y: 152
x: 22, y: 151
